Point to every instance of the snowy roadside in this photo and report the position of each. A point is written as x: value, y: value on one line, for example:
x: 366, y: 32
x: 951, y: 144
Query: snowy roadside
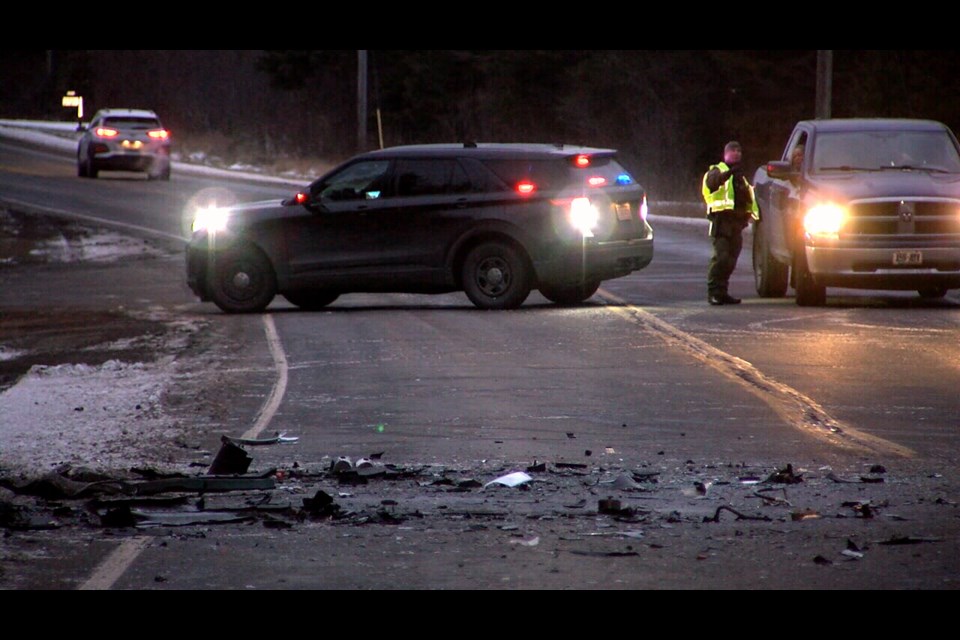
x: 93, y: 396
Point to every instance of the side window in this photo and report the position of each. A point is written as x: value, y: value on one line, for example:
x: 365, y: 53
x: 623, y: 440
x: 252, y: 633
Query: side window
x: 425, y: 177
x: 365, y: 180
x: 482, y: 179
x: 796, y: 151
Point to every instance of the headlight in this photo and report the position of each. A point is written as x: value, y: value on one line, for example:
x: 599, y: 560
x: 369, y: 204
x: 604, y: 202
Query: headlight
x: 584, y: 216
x: 211, y: 219
x: 824, y: 220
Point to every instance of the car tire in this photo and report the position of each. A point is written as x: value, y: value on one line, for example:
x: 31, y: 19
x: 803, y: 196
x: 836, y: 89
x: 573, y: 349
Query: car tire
x: 242, y: 280
x: 771, y: 277
x: 933, y: 292
x: 570, y: 295
x: 809, y: 293
x: 496, y: 275
x: 311, y: 300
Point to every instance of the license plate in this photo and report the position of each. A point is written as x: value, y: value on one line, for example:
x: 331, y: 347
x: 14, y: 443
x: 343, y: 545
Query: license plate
x: 907, y: 258
x: 623, y: 211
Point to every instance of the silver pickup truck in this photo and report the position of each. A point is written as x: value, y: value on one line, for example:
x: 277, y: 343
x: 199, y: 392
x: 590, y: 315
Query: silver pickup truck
x: 866, y: 203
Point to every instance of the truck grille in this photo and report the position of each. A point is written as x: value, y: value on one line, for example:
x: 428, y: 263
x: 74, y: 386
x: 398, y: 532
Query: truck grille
x: 902, y: 217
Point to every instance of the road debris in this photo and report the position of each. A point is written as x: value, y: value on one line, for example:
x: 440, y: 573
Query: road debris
x: 785, y: 476
x: 231, y: 459
x: 740, y: 516
x: 279, y: 438
x: 898, y: 540
x: 511, y: 480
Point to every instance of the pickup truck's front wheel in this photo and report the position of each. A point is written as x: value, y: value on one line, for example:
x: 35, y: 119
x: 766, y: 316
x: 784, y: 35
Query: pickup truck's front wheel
x: 809, y: 293
x: 769, y: 275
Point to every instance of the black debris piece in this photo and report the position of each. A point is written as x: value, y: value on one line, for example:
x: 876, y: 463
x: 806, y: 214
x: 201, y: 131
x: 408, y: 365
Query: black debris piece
x: 897, y: 540
x: 822, y: 560
x: 55, y: 486
x: 119, y: 517
x: 740, y: 516
x: 205, y: 484
x: 871, y: 479
x: 232, y: 459
x: 785, y: 476
x: 351, y: 478
x: 604, y: 554
x: 571, y: 435
x: 878, y: 468
x: 321, y: 505
x: 569, y: 465
x: 537, y: 468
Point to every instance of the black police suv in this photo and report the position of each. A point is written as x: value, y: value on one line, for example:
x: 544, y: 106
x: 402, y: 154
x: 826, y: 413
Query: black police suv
x: 492, y: 220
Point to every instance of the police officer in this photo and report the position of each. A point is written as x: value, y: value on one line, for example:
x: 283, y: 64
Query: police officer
x: 730, y: 206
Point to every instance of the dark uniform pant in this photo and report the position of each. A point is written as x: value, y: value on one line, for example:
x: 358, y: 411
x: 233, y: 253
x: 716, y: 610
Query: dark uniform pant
x: 727, y: 236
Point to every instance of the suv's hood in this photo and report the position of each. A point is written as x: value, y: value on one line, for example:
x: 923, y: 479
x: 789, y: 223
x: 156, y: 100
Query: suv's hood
x: 888, y: 183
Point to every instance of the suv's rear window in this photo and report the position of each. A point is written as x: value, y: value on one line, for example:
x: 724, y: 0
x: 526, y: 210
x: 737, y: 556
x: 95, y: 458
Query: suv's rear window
x: 560, y: 173
x: 132, y: 123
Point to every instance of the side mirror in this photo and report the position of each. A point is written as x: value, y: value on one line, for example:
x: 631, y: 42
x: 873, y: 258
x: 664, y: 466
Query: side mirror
x: 299, y: 197
x: 781, y: 170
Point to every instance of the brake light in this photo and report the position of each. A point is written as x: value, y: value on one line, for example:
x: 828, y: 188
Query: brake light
x: 581, y: 161
x: 159, y: 134
x: 301, y: 197
x: 105, y: 132
x: 526, y: 188
x: 597, y: 181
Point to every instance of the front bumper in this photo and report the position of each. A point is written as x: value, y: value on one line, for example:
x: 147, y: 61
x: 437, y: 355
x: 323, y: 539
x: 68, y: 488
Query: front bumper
x: 892, y: 268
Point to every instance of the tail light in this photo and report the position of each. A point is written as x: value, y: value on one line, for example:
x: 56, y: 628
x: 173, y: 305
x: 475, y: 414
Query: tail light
x: 159, y: 134
x: 526, y: 188
x: 106, y: 132
x: 581, y: 161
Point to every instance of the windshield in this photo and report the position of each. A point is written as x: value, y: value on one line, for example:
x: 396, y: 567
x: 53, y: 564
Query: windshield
x: 932, y: 151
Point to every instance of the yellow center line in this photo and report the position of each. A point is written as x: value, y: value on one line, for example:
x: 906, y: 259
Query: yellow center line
x: 794, y: 408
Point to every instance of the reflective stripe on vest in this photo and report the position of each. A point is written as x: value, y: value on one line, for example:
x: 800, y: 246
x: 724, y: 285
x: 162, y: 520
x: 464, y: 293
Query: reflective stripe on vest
x: 723, y: 199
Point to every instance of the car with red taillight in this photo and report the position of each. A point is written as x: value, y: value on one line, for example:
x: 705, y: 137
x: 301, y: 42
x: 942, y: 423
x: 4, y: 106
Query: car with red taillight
x: 495, y: 221
x: 131, y: 140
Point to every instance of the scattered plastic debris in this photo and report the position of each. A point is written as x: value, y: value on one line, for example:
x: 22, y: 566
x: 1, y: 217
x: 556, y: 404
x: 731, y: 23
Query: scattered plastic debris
x: 895, y: 540
x: 785, y: 476
x: 511, y: 479
x: 740, y: 516
x: 279, y: 438
x: 531, y: 542
x: 231, y: 459
x: 806, y: 514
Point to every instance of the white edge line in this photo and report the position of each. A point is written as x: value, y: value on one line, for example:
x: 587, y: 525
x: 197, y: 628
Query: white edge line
x: 270, y: 407
x: 115, y: 564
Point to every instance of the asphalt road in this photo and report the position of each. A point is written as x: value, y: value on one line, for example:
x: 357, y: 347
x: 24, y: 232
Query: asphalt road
x: 656, y: 432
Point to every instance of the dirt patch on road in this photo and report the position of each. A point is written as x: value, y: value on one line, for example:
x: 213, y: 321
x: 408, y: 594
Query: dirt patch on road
x: 50, y: 337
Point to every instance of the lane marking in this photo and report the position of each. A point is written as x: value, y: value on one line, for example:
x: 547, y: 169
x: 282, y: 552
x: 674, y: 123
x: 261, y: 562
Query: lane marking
x: 270, y: 407
x: 794, y: 408
x: 115, y: 564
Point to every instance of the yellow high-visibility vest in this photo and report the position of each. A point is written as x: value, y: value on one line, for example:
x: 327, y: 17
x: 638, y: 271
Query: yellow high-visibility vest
x: 722, y: 198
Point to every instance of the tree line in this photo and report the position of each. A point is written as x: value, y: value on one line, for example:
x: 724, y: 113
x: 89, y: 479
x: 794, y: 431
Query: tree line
x: 669, y: 112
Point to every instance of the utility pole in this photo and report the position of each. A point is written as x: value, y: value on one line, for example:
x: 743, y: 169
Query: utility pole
x: 824, y: 84
x: 362, y: 100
